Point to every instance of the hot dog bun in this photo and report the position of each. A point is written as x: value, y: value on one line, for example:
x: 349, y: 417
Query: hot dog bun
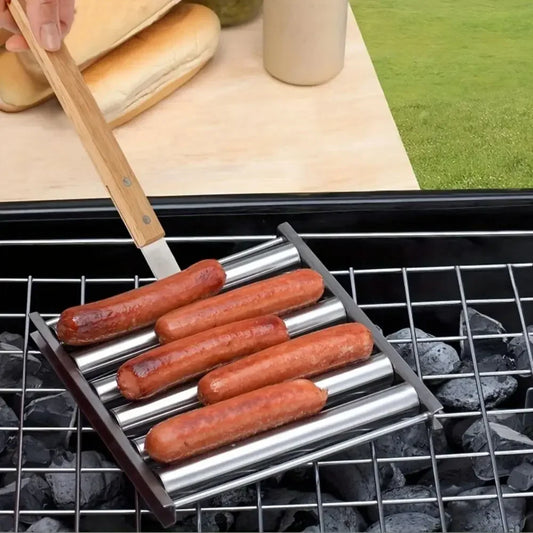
x: 99, y: 27
x: 154, y: 63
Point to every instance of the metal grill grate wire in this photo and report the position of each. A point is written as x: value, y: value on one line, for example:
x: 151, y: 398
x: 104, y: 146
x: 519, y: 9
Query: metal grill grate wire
x: 354, y: 277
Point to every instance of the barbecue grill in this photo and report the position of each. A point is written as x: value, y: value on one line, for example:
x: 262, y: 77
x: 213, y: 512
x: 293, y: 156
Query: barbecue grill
x: 416, y: 263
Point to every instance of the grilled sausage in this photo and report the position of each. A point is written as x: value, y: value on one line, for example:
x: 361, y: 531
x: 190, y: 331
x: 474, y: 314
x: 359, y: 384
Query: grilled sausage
x: 181, y: 360
x: 304, y: 356
x: 214, y: 426
x: 276, y: 295
x: 106, y: 319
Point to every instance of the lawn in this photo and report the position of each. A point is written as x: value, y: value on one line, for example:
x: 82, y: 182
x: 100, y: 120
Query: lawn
x: 458, y: 76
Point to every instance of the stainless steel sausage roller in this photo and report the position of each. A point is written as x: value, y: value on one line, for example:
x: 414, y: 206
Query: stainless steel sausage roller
x: 365, y: 400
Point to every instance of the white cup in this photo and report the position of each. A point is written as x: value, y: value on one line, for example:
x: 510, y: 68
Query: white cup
x: 304, y: 41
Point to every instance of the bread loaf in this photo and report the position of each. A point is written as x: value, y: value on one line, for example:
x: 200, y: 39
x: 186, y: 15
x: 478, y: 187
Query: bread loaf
x: 99, y: 27
x: 154, y: 63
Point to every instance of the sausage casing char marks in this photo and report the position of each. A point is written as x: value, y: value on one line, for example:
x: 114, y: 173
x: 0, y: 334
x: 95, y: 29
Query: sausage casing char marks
x: 112, y: 317
x: 279, y: 294
x: 306, y: 356
x: 181, y: 360
x: 214, y: 426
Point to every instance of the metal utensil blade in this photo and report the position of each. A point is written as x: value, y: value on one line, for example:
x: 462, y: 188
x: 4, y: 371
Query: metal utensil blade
x: 160, y: 259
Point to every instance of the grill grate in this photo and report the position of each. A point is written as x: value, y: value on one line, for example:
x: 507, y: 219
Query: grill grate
x: 421, y: 296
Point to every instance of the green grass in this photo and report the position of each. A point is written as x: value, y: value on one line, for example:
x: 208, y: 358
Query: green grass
x: 458, y: 77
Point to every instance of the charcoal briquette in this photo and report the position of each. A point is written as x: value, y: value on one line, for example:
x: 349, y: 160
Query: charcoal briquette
x: 484, y: 515
x: 337, y: 519
x: 7, y: 524
x: 454, y: 476
x: 489, y: 363
x: 218, y: 521
x: 462, y: 393
x: 247, y: 520
x: 521, y: 477
x: 356, y: 481
x: 411, y: 442
x: 34, y: 495
x: 407, y: 492
x: 408, y: 522
x: 11, y: 367
x: 8, y: 418
x: 481, y: 324
x: 517, y: 350
x: 48, y: 525
x: 14, y: 339
x: 56, y: 410
x: 435, y: 357
x: 243, y: 496
x: 96, y: 487
x: 35, y: 453
x: 503, y: 439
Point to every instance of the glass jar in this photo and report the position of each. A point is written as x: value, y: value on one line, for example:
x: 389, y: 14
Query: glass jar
x: 233, y: 12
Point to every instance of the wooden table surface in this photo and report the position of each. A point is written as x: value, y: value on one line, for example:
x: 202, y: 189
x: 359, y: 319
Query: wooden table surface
x: 231, y: 129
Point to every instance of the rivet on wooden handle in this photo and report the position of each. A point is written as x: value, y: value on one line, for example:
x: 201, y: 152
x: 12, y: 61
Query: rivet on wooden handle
x: 80, y: 106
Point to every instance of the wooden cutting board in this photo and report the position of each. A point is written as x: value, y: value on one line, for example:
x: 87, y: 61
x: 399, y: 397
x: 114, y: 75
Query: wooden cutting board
x: 231, y: 129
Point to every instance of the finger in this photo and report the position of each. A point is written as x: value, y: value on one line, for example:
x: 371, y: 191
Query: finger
x: 16, y: 43
x: 66, y: 15
x: 44, y: 21
x: 6, y: 20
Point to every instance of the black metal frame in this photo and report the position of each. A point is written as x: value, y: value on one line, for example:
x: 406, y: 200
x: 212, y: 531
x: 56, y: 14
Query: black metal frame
x: 139, y: 473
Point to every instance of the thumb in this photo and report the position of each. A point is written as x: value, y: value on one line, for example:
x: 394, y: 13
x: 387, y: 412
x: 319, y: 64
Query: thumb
x: 44, y: 20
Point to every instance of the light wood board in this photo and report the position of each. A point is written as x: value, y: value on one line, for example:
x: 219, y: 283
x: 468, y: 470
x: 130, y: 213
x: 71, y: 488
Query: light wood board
x: 231, y: 129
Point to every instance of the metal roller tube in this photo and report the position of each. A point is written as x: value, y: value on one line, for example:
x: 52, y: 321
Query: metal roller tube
x: 257, y: 262
x: 106, y: 388
x: 276, y: 443
x: 325, y: 312
x: 362, y: 377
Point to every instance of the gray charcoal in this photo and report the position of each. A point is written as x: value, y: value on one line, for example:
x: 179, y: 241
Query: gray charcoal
x: 356, y: 481
x: 11, y: 367
x: 211, y: 521
x: 455, y: 475
x: 408, y: 492
x: 408, y: 522
x: 484, y: 515
x: 517, y: 350
x: 489, y: 363
x: 521, y: 477
x: 96, y: 487
x: 247, y: 520
x: 34, y: 495
x: 56, y: 410
x: 461, y: 393
x: 14, y: 339
x: 34, y: 452
x: 7, y: 524
x: 8, y: 418
x: 32, y: 382
x: 503, y: 438
x: 435, y: 357
x: 240, y: 497
x: 339, y: 519
x: 48, y: 525
x: 455, y: 428
x: 481, y: 324
x: 411, y: 442
x: 301, y: 478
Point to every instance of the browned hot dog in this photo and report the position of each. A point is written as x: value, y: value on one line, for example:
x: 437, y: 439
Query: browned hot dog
x: 181, y: 360
x: 138, y: 308
x: 211, y: 427
x: 271, y: 296
x: 304, y: 356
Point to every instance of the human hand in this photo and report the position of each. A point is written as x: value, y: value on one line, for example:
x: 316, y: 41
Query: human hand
x: 50, y: 21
